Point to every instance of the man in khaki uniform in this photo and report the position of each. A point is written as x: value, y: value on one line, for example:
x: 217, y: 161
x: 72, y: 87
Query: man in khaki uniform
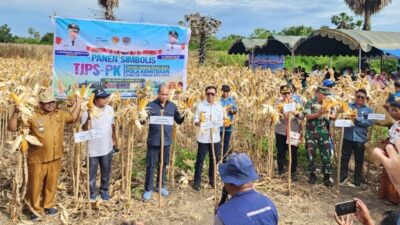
x: 44, y: 162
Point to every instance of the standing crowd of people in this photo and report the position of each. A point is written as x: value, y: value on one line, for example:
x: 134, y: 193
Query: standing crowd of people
x: 246, y: 205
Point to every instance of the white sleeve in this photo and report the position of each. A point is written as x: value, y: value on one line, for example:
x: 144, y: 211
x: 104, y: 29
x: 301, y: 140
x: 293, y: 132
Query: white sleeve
x: 197, y: 113
x: 84, y: 117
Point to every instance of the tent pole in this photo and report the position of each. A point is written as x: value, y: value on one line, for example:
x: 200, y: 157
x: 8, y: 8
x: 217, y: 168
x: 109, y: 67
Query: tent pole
x: 252, y: 59
x: 359, y: 59
x: 330, y: 61
x: 293, y: 61
x: 382, y: 61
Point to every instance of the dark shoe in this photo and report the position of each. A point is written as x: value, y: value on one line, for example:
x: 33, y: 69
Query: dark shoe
x: 104, y: 195
x: 33, y: 217
x: 357, y: 182
x: 312, y: 178
x: 196, y: 187
x: 294, y: 177
x: 51, y: 212
x: 328, y: 182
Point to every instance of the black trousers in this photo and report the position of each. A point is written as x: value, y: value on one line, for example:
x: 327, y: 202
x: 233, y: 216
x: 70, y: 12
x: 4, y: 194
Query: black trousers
x: 203, y: 148
x: 347, y: 150
x: 283, y: 148
x: 152, y: 161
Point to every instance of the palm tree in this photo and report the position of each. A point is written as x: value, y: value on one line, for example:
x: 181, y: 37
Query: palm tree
x: 202, y: 28
x: 109, y: 5
x: 367, y: 8
x: 344, y: 21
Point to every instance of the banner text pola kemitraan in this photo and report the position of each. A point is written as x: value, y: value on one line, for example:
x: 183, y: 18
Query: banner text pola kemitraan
x: 118, y: 56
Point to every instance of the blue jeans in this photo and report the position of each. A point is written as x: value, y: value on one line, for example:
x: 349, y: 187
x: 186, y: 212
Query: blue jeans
x: 203, y: 148
x: 227, y: 139
x: 152, y: 160
x: 105, y: 172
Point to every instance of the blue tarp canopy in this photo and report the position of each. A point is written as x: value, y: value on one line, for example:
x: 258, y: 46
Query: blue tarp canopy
x: 393, y: 52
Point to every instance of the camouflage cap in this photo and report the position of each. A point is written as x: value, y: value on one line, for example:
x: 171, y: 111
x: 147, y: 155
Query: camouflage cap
x: 323, y: 90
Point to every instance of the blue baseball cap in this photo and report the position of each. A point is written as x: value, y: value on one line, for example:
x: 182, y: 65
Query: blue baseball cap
x: 100, y: 93
x: 327, y: 83
x: 238, y: 170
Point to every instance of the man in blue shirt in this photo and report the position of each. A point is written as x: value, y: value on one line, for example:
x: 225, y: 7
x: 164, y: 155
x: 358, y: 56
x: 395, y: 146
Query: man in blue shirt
x: 392, y: 97
x: 247, y: 206
x: 154, y: 141
x: 355, y: 137
x: 228, y: 103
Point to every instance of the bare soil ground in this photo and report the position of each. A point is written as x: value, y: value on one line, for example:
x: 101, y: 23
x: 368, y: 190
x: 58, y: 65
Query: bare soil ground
x: 306, y: 205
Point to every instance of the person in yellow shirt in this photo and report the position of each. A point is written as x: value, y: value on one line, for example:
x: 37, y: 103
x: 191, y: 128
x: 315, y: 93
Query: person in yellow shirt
x: 44, y: 162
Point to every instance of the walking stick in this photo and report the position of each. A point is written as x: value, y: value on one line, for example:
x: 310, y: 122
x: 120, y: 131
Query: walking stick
x: 339, y: 155
x: 223, y: 142
x: 161, y: 159
x: 172, y: 151
x: 214, y: 162
x: 88, y: 169
x: 369, y: 160
x: 289, y: 120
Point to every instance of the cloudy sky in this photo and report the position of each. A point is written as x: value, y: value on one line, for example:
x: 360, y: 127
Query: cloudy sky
x: 237, y: 16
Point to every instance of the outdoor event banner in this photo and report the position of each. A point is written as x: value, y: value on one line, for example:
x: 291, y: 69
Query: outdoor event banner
x: 119, y: 56
x: 272, y: 62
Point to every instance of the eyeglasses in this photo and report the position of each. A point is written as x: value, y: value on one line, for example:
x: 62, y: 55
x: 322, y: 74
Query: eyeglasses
x: 361, y: 97
x: 286, y: 93
x: 210, y: 94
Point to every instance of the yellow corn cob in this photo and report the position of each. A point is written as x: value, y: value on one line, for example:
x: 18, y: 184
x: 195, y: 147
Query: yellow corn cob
x: 227, y: 122
x: 83, y: 91
x: 90, y: 103
x: 142, y: 103
x: 24, y: 145
x: 16, y: 99
x: 190, y: 102
x: 202, y: 117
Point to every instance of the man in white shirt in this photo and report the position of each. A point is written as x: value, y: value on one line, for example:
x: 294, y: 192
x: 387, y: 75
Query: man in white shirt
x: 74, y: 42
x: 101, y: 149
x: 207, y: 112
x: 173, y: 46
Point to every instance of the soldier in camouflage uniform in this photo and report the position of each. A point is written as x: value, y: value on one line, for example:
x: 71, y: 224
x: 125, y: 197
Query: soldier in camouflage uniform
x: 317, y: 136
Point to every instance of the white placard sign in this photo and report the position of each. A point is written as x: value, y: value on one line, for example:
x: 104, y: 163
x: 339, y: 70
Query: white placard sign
x: 289, y: 107
x: 162, y: 120
x: 213, y: 124
x: 375, y: 116
x: 343, y: 123
x: 207, y: 125
x: 87, y: 135
x: 294, y: 138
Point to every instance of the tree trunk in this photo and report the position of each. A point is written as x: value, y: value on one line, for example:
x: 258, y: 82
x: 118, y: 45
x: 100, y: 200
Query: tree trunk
x: 367, y: 20
x: 109, y: 11
x: 202, y: 48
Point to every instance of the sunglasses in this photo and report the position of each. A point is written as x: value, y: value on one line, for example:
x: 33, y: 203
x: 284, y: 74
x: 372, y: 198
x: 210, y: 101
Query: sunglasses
x: 210, y: 94
x: 361, y: 97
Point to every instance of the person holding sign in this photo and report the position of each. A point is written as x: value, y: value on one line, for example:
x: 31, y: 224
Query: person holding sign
x: 44, y: 162
x: 100, y: 149
x: 154, y: 140
x: 281, y: 132
x: 208, y: 112
x: 317, y: 135
x: 355, y: 138
x: 229, y: 105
